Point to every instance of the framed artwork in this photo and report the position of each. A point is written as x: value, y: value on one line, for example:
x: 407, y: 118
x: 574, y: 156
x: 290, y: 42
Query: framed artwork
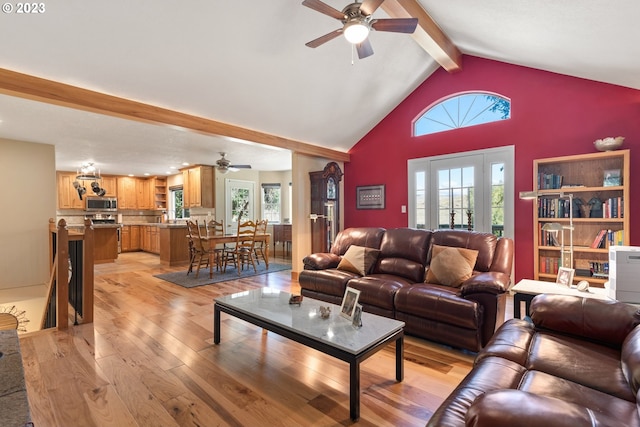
x: 349, y: 303
x: 611, y: 178
x: 370, y: 197
x: 565, y: 276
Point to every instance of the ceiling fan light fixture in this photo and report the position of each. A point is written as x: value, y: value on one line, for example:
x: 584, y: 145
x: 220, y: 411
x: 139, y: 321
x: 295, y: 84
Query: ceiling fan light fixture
x: 355, y: 31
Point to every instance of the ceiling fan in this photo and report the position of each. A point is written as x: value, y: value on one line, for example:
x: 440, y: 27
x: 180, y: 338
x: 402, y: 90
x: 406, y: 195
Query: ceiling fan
x: 357, y: 23
x: 224, y: 165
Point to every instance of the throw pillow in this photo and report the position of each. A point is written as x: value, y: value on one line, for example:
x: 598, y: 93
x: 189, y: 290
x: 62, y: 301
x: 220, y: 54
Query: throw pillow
x: 450, y: 266
x: 359, y: 259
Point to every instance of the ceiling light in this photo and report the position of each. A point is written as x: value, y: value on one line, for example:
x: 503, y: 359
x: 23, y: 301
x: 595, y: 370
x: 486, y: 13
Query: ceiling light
x: 356, y: 31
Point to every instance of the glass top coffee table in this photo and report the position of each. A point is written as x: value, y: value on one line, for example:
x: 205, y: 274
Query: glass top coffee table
x: 336, y: 336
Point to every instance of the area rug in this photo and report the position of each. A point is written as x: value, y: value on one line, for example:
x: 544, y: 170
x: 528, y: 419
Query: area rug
x: 190, y: 281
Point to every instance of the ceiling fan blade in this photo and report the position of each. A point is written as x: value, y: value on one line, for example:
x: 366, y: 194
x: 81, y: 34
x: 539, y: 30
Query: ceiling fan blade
x: 240, y: 166
x: 396, y: 25
x: 323, y: 39
x: 321, y: 7
x: 369, y: 6
x: 364, y: 49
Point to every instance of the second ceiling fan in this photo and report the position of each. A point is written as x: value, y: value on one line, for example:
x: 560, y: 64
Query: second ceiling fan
x: 224, y: 165
x: 357, y: 23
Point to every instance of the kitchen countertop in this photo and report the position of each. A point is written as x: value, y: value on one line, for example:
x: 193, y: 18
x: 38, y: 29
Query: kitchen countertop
x: 157, y: 224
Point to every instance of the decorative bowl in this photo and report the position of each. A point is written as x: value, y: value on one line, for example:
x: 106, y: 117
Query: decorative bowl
x: 608, y: 144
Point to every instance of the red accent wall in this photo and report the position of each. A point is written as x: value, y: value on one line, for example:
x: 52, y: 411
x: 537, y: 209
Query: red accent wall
x: 551, y: 115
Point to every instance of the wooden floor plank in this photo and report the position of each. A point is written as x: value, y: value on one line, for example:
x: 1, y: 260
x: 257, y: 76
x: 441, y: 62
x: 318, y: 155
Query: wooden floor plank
x: 149, y: 360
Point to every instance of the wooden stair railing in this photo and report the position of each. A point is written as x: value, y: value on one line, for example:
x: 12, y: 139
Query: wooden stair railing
x: 64, y: 245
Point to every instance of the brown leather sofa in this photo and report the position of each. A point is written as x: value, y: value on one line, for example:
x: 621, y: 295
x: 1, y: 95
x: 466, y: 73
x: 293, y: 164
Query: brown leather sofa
x: 463, y: 317
x: 577, y: 363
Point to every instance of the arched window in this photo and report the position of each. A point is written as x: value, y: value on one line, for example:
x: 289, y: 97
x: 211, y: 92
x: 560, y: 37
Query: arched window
x: 462, y: 110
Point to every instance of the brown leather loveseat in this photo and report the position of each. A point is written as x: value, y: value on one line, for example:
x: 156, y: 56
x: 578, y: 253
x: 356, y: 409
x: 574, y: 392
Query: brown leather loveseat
x: 398, y: 283
x: 577, y: 363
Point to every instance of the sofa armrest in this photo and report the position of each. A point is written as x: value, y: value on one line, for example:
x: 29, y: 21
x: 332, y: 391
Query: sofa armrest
x: 605, y: 321
x: 488, y: 282
x: 321, y: 261
x: 518, y: 408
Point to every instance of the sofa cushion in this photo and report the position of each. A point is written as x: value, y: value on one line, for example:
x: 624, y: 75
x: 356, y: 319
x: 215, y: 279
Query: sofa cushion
x: 403, y: 252
x: 484, y: 243
x: 359, y: 259
x: 450, y: 266
x: 543, y: 384
x: 329, y: 282
x: 498, y: 408
x: 378, y: 290
x: 369, y: 237
x: 441, y: 303
x: 630, y: 359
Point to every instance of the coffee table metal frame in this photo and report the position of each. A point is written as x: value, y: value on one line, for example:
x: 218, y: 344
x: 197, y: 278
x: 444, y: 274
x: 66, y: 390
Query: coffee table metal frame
x: 354, y: 359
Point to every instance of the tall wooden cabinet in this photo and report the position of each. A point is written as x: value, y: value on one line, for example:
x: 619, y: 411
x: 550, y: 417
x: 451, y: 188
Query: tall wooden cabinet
x: 67, y: 194
x: 325, y: 206
x: 599, y: 185
x: 198, y: 187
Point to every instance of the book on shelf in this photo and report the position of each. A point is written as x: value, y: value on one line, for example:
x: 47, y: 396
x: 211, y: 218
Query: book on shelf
x: 553, y: 208
x: 599, y: 240
x: 606, y: 238
x: 613, y: 207
x: 547, y: 181
x: 549, y: 264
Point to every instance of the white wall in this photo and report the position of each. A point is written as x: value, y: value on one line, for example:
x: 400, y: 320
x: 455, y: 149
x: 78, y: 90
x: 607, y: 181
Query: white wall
x: 28, y: 195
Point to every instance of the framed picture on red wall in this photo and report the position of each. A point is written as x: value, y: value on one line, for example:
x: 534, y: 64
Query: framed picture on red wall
x: 370, y: 197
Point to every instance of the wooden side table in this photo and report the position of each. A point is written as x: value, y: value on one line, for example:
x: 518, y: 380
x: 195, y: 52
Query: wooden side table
x: 525, y: 290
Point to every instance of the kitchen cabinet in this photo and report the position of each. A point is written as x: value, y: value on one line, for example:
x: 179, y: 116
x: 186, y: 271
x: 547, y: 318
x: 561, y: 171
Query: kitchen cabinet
x: 130, y: 238
x: 150, y: 238
x: 159, y: 187
x: 198, y: 187
x: 110, y: 185
x: 135, y: 193
x: 127, y: 192
x: 67, y: 195
x: 105, y: 244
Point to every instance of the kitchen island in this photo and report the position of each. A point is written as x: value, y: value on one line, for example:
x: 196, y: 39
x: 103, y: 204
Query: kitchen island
x: 105, y: 247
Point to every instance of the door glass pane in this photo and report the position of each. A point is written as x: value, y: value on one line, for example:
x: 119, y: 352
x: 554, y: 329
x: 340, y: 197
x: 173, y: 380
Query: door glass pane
x: 421, y: 207
x: 239, y: 199
x: 456, y: 197
x: 497, y: 199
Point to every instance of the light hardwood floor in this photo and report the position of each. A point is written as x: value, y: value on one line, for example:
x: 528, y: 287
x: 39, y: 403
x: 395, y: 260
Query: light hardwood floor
x: 149, y: 360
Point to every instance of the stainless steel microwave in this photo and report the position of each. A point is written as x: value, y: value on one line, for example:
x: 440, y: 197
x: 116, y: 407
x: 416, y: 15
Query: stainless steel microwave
x: 101, y: 204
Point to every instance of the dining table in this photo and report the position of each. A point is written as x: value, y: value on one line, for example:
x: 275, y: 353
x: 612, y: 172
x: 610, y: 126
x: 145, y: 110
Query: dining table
x: 211, y: 240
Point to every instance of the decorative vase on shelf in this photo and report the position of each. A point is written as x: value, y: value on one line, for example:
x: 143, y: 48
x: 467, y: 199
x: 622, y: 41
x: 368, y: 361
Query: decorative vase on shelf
x: 609, y: 143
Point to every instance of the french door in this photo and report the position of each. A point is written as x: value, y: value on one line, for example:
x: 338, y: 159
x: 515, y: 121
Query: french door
x: 238, y: 199
x: 472, y: 190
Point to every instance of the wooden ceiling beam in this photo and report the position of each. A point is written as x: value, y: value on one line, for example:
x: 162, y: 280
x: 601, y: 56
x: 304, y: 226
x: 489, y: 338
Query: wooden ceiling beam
x: 428, y: 34
x: 52, y: 92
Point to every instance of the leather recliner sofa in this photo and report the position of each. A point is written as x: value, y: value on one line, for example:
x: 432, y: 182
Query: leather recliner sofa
x: 464, y: 317
x: 576, y: 363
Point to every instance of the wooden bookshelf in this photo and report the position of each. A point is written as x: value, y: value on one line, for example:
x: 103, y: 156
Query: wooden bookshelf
x: 582, y: 176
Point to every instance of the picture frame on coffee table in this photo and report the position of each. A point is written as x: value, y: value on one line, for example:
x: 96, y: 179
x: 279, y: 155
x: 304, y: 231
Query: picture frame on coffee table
x: 349, y: 303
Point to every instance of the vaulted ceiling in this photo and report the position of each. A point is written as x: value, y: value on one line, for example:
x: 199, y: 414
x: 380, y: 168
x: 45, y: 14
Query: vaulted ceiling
x: 241, y: 69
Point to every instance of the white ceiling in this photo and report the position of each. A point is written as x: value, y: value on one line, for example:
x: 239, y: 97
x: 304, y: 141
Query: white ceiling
x: 245, y: 63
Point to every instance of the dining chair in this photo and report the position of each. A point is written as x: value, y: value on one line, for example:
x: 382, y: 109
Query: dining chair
x: 216, y: 228
x: 242, y: 253
x: 199, y: 254
x: 258, y: 250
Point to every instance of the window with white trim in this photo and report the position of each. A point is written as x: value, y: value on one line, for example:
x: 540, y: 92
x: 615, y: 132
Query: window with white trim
x: 462, y: 110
